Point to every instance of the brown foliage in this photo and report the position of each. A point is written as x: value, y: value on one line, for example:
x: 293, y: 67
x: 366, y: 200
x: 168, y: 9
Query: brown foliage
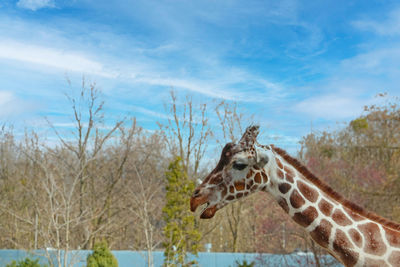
x: 362, y: 160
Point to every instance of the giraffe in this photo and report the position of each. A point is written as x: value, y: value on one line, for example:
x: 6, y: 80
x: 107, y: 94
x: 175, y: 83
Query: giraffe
x: 353, y: 235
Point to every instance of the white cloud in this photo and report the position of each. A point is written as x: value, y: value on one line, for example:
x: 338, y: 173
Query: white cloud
x: 187, y: 84
x: 51, y: 57
x: 353, y: 84
x: 227, y: 83
x: 151, y: 113
x: 65, y: 124
x: 74, y: 125
x: 55, y: 49
x: 390, y: 26
x: 5, y: 97
x: 10, y: 105
x: 331, y: 106
x: 35, y: 4
x: 376, y: 62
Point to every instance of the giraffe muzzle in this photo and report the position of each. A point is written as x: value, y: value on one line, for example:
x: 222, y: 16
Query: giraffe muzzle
x: 198, y: 200
x: 208, y: 212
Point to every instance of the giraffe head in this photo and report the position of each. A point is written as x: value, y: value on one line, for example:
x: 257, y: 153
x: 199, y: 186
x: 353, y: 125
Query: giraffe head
x: 238, y: 173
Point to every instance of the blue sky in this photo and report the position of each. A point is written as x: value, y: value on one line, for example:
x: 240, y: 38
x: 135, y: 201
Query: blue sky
x: 292, y: 64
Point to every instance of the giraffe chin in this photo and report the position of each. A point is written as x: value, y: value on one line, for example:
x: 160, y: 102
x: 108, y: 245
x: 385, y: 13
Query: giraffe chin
x: 208, y: 212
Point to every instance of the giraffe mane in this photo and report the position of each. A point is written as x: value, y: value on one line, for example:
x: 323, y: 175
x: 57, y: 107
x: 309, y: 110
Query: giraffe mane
x: 332, y: 193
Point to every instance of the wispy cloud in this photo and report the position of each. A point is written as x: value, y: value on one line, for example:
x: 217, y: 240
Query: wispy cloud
x: 353, y: 82
x: 5, y: 97
x: 377, y: 61
x: 222, y: 88
x: 390, y: 26
x: 35, y: 4
x: 193, y: 86
x: 69, y: 125
x: 173, y: 63
x: 331, y: 107
x: 138, y: 67
x: 150, y: 113
x: 277, y: 59
x: 11, y: 105
x: 51, y: 57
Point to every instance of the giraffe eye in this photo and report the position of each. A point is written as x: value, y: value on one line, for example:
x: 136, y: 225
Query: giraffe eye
x: 239, y: 166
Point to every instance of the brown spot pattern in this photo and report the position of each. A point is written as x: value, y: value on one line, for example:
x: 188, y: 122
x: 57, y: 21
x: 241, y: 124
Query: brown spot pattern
x: 288, y: 170
x: 224, y: 190
x: 342, y: 246
x: 306, y: 217
x: 265, y: 177
x: 230, y: 197
x: 207, y: 179
x: 340, y: 218
x: 322, y: 233
x: 373, y: 240
x: 257, y: 178
x: 392, y: 237
x: 264, y: 188
x: 353, y: 215
x: 289, y: 178
x: 254, y: 187
x: 280, y: 174
x: 239, y: 186
x: 250, y: 174
x: 308, y: 192
x: 284, y: 187
x: 282, y: 202
x: 356, y: 237
x: 289, y: 174
x: 232, y: 189
x: 296, y: 200
x: 239, y: 195
x: 394, y: 258
x: 215, y: 179
x: 279, y: 163
x: 374, y: 263
x: 364, y: 214
x: 325, y: 207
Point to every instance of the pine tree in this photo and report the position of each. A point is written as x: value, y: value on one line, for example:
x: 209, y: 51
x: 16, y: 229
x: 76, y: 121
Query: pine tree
x: 180, y: 232
x: 101, y: 256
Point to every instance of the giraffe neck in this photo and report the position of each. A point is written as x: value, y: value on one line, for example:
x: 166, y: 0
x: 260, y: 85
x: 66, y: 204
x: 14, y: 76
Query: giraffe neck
x: 353, y: 237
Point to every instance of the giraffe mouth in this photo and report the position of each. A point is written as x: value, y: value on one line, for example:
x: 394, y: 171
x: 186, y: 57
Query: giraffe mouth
x: 207, y: 211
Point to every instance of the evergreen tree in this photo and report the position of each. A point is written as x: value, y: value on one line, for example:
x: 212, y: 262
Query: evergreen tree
x: 26, y: 263
x: 180, y: 233
x: 101, y: 256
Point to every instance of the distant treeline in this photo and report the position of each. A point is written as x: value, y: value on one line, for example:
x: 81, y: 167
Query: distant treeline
x: 109, y: 182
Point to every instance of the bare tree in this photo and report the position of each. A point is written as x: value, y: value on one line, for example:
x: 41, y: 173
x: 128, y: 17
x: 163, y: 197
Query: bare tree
x: 230, y: 121
x: 187, y: 133
x: 146, y: 193
x: 71, y: 202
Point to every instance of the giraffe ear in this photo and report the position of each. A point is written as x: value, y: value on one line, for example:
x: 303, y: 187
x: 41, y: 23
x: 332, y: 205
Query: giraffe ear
x: 262, y: 158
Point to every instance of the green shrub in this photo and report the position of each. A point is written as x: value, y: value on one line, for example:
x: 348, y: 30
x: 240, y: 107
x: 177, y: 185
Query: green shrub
x: 181, y: 233
x: 101, y: 256
x: 26, y: 263
x: 244, y: 263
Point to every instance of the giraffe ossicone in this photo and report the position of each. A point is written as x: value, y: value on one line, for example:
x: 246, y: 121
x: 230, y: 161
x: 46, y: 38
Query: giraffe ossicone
x: 351, y: 234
